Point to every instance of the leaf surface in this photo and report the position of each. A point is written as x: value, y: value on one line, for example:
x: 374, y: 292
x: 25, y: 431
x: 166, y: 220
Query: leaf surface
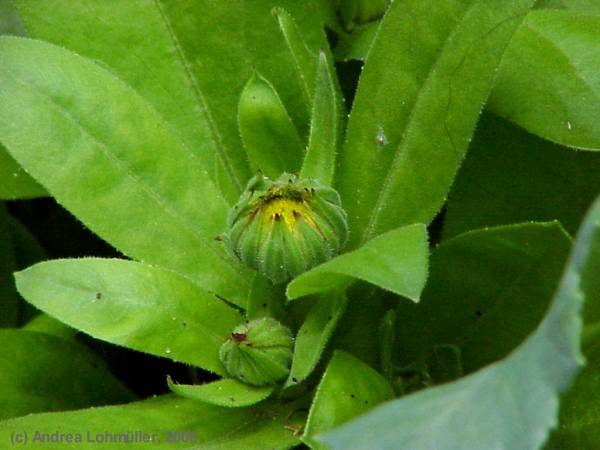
x: 319, y: 162
x: 313, y: 335
x: 548, y: 81
x: 175, y: 422
x: 487, y: 291
x: 105, y: 161
x: 348, y: 388
x: 194, y: 83
x: 511, y: 176
x: 39, y: 372
x: 135, y: 305
x: 395, y: 261
x: 425, y: 80
x: 224, y: 392
x: 510, y: 404
x: 270, y: 138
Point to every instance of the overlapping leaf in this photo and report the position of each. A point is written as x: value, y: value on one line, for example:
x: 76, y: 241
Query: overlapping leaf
x: 545, y: 182
x: 174, y: 422
x: 135, y: 305
x: 112, y: 161
x: 510, y: 404
x: 39, y: 372
x: 548, y: 80
x: 425, y: 79
x: 396, y: 261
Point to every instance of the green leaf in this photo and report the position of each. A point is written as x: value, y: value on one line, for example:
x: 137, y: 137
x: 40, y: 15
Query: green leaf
x: 425, y: 80
x: 131, y: 304
x: 319, y: 162
x: 39, y: 372
x: 225, y: 392
x: 269, y: 136
x: 303, y: 59
x: 312, y: 338
x: 174, y: 422
x: 395, y: 261
x: 548, y: 80
x: 510, y: 404
x: 193, y: 83
x: 348, y: 388
x: 511, y: 176
x: 111, y: 160
x: 43, y: 323
x: 487, y: 291
x: 579, y: 425
x: 10, y: 22
x: 16, y: 183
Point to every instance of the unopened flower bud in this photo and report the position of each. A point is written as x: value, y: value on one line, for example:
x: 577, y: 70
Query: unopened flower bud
x: 258, y: 352
x: 284, y: 227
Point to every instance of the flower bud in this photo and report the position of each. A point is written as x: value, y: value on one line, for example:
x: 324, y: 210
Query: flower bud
x: 258, y: 352
x: 284, y: 227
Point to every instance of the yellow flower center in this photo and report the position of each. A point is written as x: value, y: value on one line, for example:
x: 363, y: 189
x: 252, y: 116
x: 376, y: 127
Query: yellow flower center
x: 287, y: 210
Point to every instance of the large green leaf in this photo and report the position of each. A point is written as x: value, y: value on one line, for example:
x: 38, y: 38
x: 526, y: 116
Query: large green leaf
x: 425, y: 79
x: 396, y: 261
x: 548, y: 81
x: 39, y: 372
x: 15, y: 181
x: 579, y: 426
x: 169, y: 421
x: 113, y: 162
x: 348, y: 388
x: 487, y: 291
x: 508, y: 405
x: 511, y: 176
x: 131, y: 304
x: 189, y: 59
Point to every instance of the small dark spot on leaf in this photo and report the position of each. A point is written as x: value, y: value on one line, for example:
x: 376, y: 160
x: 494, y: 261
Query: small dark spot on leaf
x: 218, y: 238
x: 478, y: 313
x: 184, y: 324
x: 264, y: 305
x: 351, y: 395
x: 98, y: 295
x: 231, y: 399
x: 294, y: 379
x: 329, y: 317
x: 366, y: 402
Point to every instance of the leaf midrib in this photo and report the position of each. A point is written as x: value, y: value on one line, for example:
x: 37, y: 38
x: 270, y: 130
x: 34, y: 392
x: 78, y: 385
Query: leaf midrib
x: 216, y: 135
x: 400, y: 153
x: 123, y: 166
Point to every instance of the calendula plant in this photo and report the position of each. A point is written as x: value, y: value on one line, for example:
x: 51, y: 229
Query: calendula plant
x: 313, y: 216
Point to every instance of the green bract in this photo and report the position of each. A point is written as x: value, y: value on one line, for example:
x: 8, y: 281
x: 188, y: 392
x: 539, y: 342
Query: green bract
x: 284, y: 227
x: 258, y: 352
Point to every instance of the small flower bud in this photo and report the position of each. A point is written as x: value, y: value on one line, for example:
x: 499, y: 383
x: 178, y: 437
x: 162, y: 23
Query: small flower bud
x: 284, y: 227
x: 258, y: 352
